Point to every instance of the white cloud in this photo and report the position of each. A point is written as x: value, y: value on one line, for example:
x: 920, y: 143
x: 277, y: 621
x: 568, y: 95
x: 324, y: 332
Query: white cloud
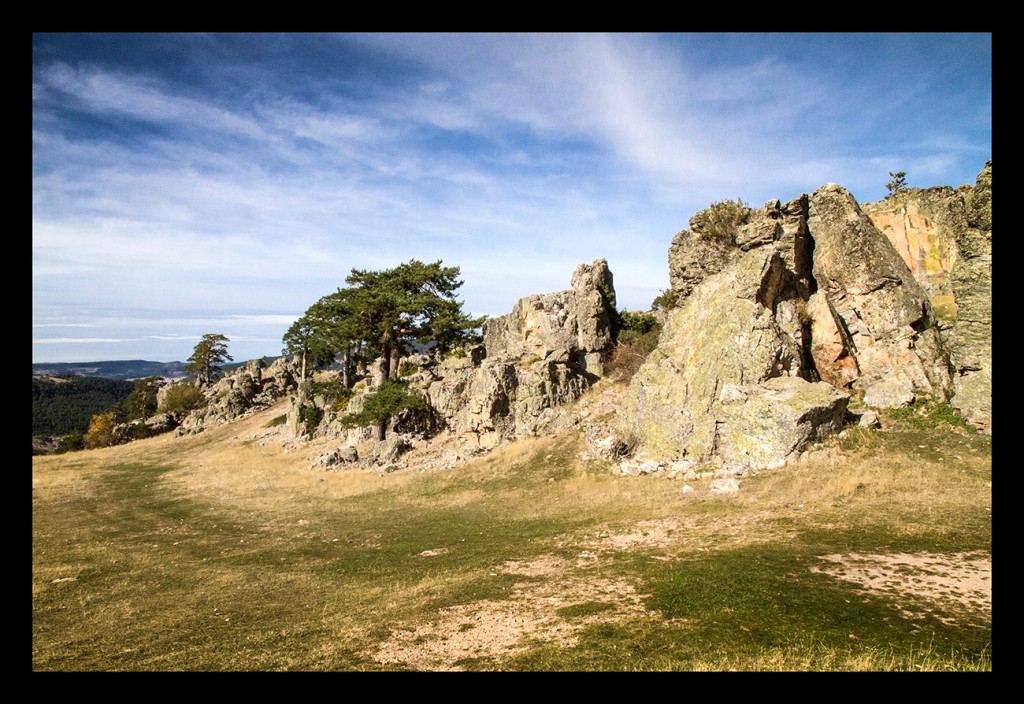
x: 516, y: 157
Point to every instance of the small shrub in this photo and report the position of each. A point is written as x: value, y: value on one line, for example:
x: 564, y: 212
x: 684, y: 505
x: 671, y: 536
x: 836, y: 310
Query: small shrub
x: 182, y: 398
x: 407, y: 368
x: 311, y: 416
x: 391, y: 398
x: 274, y: 422
x: 341, y: 402
x: 329, y: 388
x: 631, y: 351
x: 138, y: 431
x: 721, y: 220
x: 634, y: 323
x: 71, y: 443
x: 926, y: 414
x: 335, y: 393
x: 666, y: 300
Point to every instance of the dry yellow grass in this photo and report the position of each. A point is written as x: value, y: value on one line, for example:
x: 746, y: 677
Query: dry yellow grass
x: 234, y: 554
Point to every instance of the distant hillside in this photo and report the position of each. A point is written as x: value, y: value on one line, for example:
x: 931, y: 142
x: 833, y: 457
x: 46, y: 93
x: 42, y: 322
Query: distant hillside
x: 65, y: 404
x: 125, y: 369
x: 119, y: 369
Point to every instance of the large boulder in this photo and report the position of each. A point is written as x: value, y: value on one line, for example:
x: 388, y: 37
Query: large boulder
x: 885, y: 322
x: 782, y: 311
x: 760, y: 426
x: 725, y: 333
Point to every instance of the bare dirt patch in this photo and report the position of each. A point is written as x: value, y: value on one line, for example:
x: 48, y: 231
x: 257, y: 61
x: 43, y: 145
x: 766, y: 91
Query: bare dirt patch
x: 958, y: 585
x: 951, y: 587
x: 491, y: 629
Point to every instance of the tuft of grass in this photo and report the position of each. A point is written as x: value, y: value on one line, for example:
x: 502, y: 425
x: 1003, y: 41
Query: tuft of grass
x: 926, y: 414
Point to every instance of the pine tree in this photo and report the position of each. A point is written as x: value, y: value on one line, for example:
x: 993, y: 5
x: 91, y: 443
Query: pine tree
x: 209, y: 354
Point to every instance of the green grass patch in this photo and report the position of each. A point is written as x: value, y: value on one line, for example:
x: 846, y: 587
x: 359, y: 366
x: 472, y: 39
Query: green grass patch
x: 153, y: 558
x: 276, y: 421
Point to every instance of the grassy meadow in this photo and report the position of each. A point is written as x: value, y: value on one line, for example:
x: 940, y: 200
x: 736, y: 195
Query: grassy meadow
x: 225, y: 551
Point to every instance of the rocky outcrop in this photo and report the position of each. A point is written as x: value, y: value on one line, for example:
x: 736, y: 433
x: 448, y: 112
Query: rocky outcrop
x: 736, y: 330
x: 971, y: 336
x: 880, y: 328
x: 785, y: 311
x: 944, y: 235
x: 542, y: 355
x: 249, y: 388
x: 567, y: 327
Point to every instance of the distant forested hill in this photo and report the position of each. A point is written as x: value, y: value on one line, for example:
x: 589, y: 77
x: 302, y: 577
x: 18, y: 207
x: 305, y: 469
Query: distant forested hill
x: 65, y: 404
x: 119, y: 369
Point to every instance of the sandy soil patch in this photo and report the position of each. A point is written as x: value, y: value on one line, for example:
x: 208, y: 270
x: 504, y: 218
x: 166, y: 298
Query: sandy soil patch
x: 957, y: 583
x: 500, y: 629
x: 951, y: 587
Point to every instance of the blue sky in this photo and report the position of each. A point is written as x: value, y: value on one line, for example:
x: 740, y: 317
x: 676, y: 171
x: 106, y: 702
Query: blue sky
x: 185, y: 184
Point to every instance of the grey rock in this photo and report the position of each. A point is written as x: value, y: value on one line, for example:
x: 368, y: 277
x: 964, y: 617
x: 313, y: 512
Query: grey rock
x: 342, y: 455
x: 724, y: 333
x: 761, y: 426
x: 869, y: 419
x: 971, y: 336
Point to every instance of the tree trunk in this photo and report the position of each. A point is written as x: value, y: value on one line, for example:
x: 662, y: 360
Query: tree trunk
x: 387, y: 349
x: 395, y: 359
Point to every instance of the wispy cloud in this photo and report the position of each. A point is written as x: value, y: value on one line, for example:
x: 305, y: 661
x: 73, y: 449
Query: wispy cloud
x: 199, y: 177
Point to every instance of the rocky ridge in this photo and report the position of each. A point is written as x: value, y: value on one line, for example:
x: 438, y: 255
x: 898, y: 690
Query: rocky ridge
x: 791, y: 320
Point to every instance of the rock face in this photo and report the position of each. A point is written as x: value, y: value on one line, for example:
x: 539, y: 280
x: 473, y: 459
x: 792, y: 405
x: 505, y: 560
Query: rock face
x: 725, y: 345
x: 762, y: 425
x: 945, y: 237
x: 567, y: 327
x: 785, y: 311
x: 921, y: 224
x: 249, y: 388
x: 881, y: 324
x: 971, y: 336
x: 543, y: 354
